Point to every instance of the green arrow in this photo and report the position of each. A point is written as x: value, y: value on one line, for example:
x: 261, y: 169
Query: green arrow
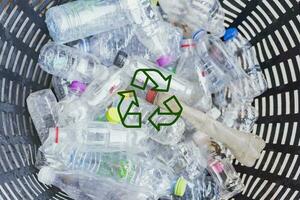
x: 143, y: 77
x: 169, y: 112
x: 128, y: 113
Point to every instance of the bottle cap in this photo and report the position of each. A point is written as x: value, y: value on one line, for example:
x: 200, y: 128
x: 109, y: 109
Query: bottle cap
x: 77, y: 86
x: 120, y: 59
x: 112, y: 115
x: 150, y: 96
x: 230, y: 34
x: 180, y: 187
x: 198, y: 35
x: 46, y: 175
x: 164, y: 61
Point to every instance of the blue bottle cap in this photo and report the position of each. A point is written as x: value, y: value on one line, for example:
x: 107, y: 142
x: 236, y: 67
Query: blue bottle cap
x: 230, y: 34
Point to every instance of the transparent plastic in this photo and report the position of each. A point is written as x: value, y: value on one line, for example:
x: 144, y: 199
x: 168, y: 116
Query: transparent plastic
x: 70, y: 63
x: 42, y: 109
x: 204, y: 14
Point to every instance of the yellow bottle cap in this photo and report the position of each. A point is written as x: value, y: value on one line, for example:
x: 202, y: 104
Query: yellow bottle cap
x: 112, y: 115
x: 180, y: 187
x: 154, y: 2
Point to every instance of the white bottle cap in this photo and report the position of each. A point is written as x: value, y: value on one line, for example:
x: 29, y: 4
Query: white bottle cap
x: 46, y: 175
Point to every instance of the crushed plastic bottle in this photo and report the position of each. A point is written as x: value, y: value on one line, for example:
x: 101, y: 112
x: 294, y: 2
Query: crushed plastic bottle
x: 99, y: 94
x: 123, y: 168
x: 70, y: 63
x: 106, y: 45
x: 184, y: 158
x: 79, y: 185
x: 225, y: 176
x: 204, y: 14
x: 99, y: 136
x: 42, y: 109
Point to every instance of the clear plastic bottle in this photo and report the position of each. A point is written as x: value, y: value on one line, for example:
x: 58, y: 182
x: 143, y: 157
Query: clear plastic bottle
x: 163, y: 40
x: 100, y: 137
x: 106, y: 45
x: 225, y: 176
x: 204, y: 14
x: 79, y: 185
x: 184, y: 90
x: 42, y: 109
x: 80, y: 19
x: 124, y: 168
x: 202, y: 188
x: 212, y: 49
x: 98, y: 95
x: 244, y: 54
x: 188, y: 61
x: 70, y: 63
x: 183, y: 158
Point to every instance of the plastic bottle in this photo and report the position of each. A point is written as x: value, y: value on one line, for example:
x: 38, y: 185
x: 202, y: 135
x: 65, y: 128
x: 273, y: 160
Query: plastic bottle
x: 106, y: 45
x: 215, y: 51
x: 188, y: 61
x: 83, y: 186
x: 162, y: 39
x: 80, y: 19
x: 225, y: 176
x: 123, y: 168
x: 70, y: 63
x: 186, y: 91
x: 184, y: 158
x: 42, y: 109
x: 99, y: 94
x: 100, y: 136
x: 204, y: 14
x: 202, y: 188
x: 244, y: 54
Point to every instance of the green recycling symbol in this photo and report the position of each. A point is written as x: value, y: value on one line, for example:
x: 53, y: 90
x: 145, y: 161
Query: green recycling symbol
x: 159, y: 83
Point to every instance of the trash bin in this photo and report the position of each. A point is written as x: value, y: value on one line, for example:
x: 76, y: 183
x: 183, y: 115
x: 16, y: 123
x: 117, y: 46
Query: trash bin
x: 273, y: 27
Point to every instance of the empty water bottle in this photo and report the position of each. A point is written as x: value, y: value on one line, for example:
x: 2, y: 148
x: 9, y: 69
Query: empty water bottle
x: 98, y: 95
x: 183, y: 158
x: 245, y: 56
x: 80, y: 19
x: 70, y: 63
x: 42, y: 109
x: 225, y: 176
x: 188, y: 61
x: 106, y: 45
x: 79, y: 185
x: 125, y: 168
x: 99, y: 136
x: 196, y: 14
x: 202, y: 188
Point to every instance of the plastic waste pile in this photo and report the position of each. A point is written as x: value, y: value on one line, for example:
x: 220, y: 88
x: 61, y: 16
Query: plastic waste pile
x: 98, y: 48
